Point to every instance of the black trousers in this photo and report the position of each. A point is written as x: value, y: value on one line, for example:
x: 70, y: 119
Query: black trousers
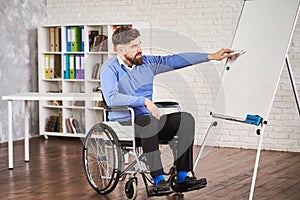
x: 151, y: 131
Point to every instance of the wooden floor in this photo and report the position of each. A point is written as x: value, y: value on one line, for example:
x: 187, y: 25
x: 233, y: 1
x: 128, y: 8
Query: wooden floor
x: 55, y: 172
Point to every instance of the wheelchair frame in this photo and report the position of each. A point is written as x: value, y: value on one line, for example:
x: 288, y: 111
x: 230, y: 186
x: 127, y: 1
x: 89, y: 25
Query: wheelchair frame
x: 102, y: 143
x: 104, y: 151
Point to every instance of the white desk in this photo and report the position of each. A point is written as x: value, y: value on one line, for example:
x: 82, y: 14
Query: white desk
x: 38, y: 97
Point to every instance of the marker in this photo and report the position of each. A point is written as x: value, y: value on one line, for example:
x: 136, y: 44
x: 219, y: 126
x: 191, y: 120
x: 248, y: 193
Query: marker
x: 240, y: 52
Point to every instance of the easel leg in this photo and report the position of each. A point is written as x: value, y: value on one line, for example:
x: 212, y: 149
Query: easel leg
x: 287, y: 61
x: 256, y: 163
x: 26, y: 140
x: 214, y: 123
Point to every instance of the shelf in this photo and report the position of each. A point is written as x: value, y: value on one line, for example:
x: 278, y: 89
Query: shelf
x: 93, y: 80
x: 52, y: 107
x: 98, y: 53
x: 52, y: 79
x: 52, y: 52
x: 74, y: 80
x: 54, y: 49
x: 75, y: 107
x: 73, y: 52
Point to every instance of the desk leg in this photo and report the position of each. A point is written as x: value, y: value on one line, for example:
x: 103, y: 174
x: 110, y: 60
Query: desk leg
x: 10, y: 137
x: 26, y: 141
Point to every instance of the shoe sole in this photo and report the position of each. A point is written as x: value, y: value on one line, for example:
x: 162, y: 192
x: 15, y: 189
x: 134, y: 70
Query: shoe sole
x: 191, y: 187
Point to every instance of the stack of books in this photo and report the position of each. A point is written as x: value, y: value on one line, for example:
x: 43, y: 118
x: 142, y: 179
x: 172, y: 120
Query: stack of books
x: 97, y: 42
x: 73, y: 125
x: 96, y: 71
x: 54, y: 123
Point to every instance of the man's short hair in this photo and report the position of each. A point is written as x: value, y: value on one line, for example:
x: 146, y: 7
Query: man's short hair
x: 124, y: 35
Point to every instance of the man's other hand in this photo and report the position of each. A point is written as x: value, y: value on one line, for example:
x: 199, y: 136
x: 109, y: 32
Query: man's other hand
x: 152, y: 108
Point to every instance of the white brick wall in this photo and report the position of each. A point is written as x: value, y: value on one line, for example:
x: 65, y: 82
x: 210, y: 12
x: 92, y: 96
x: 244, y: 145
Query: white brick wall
x: 202, y: 25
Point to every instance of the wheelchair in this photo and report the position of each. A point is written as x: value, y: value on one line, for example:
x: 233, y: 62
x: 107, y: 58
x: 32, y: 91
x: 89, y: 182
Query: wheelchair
x: 111, y: 153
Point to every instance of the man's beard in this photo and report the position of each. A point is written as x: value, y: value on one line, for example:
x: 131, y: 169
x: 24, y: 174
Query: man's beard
x: 135, y: 60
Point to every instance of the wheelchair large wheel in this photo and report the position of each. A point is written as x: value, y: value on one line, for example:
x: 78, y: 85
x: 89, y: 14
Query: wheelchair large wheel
x: 102, y: 158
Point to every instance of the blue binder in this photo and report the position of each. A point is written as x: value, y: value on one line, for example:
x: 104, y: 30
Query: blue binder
x: 68, y: 39
x: 66, y: 67
x: 82, y: 38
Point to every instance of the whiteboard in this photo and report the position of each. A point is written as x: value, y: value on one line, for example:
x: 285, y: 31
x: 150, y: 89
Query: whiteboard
x: 250, y: 81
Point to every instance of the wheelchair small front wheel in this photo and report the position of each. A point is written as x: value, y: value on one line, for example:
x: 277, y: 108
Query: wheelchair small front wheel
x: 131, y: 189
x: 102, y: 158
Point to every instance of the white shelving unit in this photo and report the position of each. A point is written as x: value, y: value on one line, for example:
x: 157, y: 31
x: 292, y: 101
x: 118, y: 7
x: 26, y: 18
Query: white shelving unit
x: 89, y: 113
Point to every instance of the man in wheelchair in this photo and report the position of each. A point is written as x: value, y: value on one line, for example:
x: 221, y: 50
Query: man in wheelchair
x: 127, y: 80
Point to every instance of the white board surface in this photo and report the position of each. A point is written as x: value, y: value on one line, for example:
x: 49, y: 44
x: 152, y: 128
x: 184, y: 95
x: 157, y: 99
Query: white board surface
x: 249, y: 82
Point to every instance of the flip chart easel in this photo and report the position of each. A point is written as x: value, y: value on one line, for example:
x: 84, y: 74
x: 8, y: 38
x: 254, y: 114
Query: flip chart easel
x: 251, y: 77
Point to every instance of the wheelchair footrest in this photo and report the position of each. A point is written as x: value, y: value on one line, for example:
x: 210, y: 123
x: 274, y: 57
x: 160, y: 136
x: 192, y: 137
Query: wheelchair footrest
x: 196, y: 187
x: 192, y: 185
x: 154, y: 192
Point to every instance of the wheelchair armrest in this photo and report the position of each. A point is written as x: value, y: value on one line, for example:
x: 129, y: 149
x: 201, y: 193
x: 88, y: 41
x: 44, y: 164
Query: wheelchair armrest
x: 119, y: 108
x: 168, y: 106
x: 159, y: 103
x: 166, y: 103
x: 116, y: 108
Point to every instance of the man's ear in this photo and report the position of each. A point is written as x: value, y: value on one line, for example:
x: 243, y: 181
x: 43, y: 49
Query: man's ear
x: 120, y: 49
